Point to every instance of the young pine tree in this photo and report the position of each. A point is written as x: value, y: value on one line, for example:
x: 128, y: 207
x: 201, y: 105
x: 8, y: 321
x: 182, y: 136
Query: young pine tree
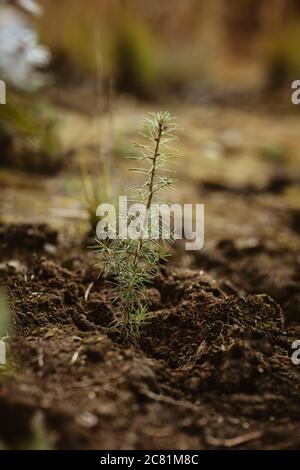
x: 134, y: 263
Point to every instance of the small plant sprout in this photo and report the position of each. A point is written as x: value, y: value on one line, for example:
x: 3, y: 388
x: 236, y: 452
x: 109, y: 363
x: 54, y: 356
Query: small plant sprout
x: 133, y: 262
x: 95, y: 189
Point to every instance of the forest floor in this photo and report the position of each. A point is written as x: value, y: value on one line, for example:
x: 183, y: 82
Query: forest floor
x: 213, y: 368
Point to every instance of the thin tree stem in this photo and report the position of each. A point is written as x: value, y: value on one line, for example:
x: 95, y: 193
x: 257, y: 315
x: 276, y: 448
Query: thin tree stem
x: 151, y: 192
x: 148, y: 205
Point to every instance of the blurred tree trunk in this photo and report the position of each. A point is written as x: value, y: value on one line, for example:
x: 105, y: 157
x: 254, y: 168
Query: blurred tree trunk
x: 274, y: 18
x: 246, y: 20
x: 212, y: 32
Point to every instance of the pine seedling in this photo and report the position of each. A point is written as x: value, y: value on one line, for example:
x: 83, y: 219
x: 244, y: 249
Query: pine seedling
x: 95, y: 190
x: 133, y: 264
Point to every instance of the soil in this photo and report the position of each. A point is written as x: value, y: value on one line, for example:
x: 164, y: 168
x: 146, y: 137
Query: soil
x: 212, y: 369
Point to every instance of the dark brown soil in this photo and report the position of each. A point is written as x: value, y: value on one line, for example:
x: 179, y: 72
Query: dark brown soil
x: 212, y: 369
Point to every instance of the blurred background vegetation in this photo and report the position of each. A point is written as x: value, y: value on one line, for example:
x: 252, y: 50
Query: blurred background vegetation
x: 202, y: 50
x: 148, y: 47
x: 114, y: 60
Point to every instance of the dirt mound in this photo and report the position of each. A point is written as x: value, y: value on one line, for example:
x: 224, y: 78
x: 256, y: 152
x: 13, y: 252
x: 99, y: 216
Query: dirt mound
x: 258, y: 266
x: 27, y: 239
x: 211, y: 369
